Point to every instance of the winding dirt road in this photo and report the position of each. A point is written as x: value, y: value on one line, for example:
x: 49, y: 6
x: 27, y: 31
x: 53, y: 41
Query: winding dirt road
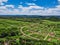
x: 21, y: 30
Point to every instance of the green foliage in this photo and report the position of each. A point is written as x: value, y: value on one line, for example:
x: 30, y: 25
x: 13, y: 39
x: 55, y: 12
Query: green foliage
x: 10, y: 31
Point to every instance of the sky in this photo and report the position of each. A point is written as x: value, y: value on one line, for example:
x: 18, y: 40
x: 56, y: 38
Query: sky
x: 30, y: 7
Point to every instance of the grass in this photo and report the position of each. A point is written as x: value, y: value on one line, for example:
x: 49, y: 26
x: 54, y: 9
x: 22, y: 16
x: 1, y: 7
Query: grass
x: 43, y: 29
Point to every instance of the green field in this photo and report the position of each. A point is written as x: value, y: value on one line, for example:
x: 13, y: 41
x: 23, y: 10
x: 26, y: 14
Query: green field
x: 29, y: 31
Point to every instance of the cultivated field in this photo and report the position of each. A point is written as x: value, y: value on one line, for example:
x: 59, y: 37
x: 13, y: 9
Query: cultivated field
x: 29, y: 31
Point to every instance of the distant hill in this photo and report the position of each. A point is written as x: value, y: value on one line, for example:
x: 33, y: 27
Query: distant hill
x: 26, y: 16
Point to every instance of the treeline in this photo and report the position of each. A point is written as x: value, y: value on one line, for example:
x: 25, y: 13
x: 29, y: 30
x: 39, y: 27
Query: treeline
x: 31, y: 18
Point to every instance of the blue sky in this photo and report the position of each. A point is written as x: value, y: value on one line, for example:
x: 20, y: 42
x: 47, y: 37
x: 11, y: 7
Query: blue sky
x: 29, y: 7
x: 43, y: 3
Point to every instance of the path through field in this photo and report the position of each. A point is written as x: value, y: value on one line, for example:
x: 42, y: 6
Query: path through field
x: 21, y: 30
x: 48, y: 33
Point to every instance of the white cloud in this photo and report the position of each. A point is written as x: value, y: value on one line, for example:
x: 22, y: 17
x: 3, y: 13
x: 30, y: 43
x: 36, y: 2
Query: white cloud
x: 1, y: 2
x: 31, y: 10
x: 6, y: 7
x: 31, y: 4
x: 30, y: 7
x: 10, y: 6
x: 2, y: 7
x: 58, y: 0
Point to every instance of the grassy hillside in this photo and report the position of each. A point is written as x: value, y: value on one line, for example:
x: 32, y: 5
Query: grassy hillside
x: 29, y: 31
